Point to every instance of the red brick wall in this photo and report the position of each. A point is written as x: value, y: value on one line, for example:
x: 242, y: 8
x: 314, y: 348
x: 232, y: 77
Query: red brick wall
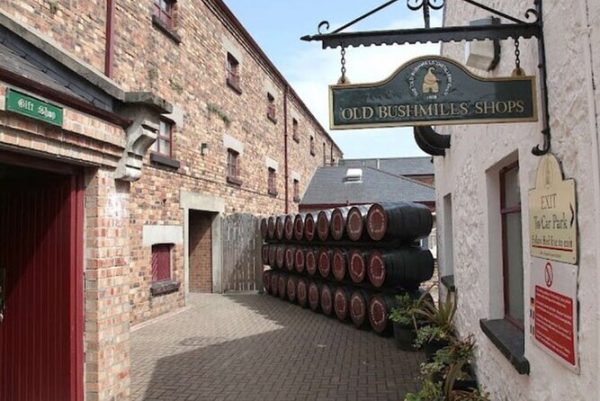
x: 200, y: 252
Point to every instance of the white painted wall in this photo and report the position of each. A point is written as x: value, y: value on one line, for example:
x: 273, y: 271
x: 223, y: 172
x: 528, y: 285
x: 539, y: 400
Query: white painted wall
x: 572, y: 31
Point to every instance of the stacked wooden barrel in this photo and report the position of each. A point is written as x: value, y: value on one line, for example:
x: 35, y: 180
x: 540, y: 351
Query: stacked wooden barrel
x: 348, y: 262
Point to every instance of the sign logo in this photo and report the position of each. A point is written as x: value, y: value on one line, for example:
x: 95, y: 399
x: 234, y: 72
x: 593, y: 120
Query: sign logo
x: 548, y: 275
x: 32, y: 107
x: 432, y: 76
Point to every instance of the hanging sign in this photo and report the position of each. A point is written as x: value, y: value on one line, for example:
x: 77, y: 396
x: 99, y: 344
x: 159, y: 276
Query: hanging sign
x: 554, y: 313
x: 432, y: 90
x: 35, y: 108
x: 553, y: 214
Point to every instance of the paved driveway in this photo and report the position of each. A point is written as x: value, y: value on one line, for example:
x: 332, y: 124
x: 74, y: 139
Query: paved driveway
x: 255, y: 347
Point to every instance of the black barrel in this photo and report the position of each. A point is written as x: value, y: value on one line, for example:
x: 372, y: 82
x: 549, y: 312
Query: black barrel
x: 299, y: 260
x: 280, y: 256
x: 341, y: 303
x: 265, y: 254
x: 299, y: 226
x: 292, y: 284
x: 324, y: 262
x: 326, y: 298
x: 279, y: 227
x: 310, y: 259
x: 288, y: 227
x: 380, y: 307
x: 290, y: 253
x: 271, y: 227
x: 405, y: 221
x: 404, y: 267
x: 267, y: 281
x: 359, y: 308
x: 309, y: 227
x: 357, y: 265
x: 272, y: 255
x: 274, y: 283
x: 302, y: 292
x: 338, y: 264
x: 282, y: 285
x: 264, y: 228
x: 314, y: 295
x: 323, y: 221
x: 356, y: 222
x: 337, y: 224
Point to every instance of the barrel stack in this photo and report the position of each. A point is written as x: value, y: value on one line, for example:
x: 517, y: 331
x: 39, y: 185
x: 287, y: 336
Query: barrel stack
x: 348, y: 262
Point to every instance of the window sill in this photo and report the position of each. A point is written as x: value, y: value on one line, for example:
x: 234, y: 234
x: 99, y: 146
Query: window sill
x: 169, y: 32
x: 448, y: 282
x: 235, y: 86
x: 272, y: 118
x: 234, y: 181
x: 164, y: 161
x: 272, y: 194
x: 509, y: 340
x: 164, y: 287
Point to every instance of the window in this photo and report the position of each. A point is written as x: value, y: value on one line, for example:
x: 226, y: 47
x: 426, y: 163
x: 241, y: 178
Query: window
x: 233, y: 73
x: 164, y: 11
x: 272, y: 182
x: 512, y: 258
x: 233, y: 167
x: 162, y: 145
x: 312, y: 145
x: 161, y: 262
x: 296, y: 190
x: 324, y: 154
x: 295, y: 135
x: 271, y: 110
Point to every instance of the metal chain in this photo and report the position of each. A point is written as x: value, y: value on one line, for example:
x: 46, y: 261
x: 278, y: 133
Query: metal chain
x: 518, y: 71
x: 343, y: 79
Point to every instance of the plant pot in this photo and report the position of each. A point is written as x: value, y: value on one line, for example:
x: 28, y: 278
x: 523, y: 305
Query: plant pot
x: 432, y: 347
x: 469, y: 383
x: 405, y: 337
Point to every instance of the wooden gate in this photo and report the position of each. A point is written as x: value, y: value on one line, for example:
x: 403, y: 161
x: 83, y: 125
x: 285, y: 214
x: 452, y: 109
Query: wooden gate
x: 242, y: 265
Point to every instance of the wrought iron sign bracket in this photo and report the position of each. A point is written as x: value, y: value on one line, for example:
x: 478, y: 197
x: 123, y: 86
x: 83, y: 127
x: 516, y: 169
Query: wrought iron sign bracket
x: 516, y: 29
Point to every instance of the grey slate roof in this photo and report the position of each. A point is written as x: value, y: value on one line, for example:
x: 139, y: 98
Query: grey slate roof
x: 396, y: 165
x: 328, y: 187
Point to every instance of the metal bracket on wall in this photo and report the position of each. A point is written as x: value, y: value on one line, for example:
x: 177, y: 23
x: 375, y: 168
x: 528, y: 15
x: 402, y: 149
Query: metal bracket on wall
x: 516, y: 29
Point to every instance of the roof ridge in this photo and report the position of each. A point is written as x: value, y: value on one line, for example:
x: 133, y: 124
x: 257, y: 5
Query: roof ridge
x: 403, y: 177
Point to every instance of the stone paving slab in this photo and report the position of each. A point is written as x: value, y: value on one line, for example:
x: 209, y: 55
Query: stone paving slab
x: 256, y: 347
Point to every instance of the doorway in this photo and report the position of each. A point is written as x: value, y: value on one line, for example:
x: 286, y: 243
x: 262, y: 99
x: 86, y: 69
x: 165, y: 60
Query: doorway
x: 200, y: 251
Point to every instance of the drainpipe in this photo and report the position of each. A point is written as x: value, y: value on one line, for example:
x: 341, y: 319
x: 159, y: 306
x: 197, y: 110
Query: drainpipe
x: 109, y: 48
x: 285, y: 144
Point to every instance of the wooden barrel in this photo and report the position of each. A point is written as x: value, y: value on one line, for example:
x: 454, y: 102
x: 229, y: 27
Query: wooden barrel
x: 267, y: 280
x: 299, y: 260
x: 405, y: 267
x: 279, y: 227
x: 338, y: 265
x: 323, y: 220
x: 359, y: 307
x: 290, y: 253
x: 357, y: 265
x: 292, y: 283
x: 265, y: 254
x: 288, y: 227
x: 314, y: 295
x: 274, y: 283
x: 264, y: 228
x: 309, y: 226
x: 380, y: 307
x: 310, y: 258
x: 337, y: 224
x: 280, y: 256
x: 404, y: 221
x: 326, y: 298
x: 272, y: 255
x: 282, y: 285
x: 271, y: 227
x: 299, y: 226
x: 302, y: 292
x: 356, y: 221
x: 341, y: 303
x: 324, y: 262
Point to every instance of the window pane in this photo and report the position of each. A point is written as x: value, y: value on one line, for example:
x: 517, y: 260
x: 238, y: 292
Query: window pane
x: 161, y: 262
x: 512, y: 192
x: 165, y: 147
x: 514, y: 267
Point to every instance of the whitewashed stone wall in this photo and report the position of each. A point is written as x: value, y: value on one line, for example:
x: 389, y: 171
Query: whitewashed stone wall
x: 572, y: 31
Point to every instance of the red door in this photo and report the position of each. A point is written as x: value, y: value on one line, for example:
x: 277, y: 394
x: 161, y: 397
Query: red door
x: 41, y: 333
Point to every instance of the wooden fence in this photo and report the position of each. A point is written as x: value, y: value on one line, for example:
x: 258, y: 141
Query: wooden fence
x: 242, y: 265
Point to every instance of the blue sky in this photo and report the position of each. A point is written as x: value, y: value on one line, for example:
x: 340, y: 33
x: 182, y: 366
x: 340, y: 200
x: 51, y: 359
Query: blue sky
x: 277, y: 27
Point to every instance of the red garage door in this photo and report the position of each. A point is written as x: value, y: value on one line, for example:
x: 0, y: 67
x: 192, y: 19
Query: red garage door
x: 40, y: 238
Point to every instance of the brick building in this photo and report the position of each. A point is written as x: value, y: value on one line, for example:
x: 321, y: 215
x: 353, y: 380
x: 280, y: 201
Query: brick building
x: 129, y: 133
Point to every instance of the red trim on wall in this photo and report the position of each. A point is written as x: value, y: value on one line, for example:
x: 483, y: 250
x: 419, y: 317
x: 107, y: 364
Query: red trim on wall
x: 110, y: 43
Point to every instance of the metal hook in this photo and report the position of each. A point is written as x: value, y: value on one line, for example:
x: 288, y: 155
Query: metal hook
x: 546, y: 145
x: 321, y: 25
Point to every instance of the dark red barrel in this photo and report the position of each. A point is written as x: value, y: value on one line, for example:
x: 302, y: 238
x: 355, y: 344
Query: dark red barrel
x: 267, y: 281
x: 359, y: 308
x: 323, y: 221
x: 282, y: 285
x: 274, y: 283
x: 404, y: 267
x: 292, y: 283
x: 314, y: 295
x: 357, y: 265
x: 280, y: 256
x: 271, y: 227
x: 265, y: 254
x: 337, y: 224
x: 380, y: 307
x: 299, y: 260
x: 309, y: 226
x: 299, y: 226
x: 338, y: 265
x: 404, y: 221
x: 290, y: 253
x: 279, y: 227
x: 272, y: 255
x: 326, y: 296
x: 288, y: 227
x: 311, y: 256
x: 324, y: 262
x: 341, y: 303
x: 264, y: 228
x: 302, y: 292
x: 356, y: 222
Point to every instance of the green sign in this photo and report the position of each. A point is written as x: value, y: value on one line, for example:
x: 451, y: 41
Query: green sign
x: 35, y: 108
x: 432, y: 90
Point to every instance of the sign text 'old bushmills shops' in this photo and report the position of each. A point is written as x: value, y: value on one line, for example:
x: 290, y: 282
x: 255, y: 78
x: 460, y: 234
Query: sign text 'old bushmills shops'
x: 432, y: 90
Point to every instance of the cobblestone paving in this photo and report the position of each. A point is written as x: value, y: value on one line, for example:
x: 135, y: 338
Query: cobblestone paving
x: 255, y: 347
